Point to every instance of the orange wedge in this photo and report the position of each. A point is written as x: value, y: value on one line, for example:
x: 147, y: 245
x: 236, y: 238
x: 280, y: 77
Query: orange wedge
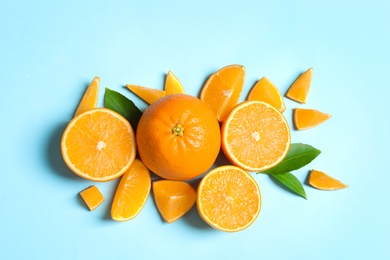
x: 228, y: 199
x: 322, y: 181
x: 98, y: 145
x: 173, y: 85
x: 90, y: 97
x: 255, y: 136
x: 173, y: 198
x: 149, y: 95
x: 264, y: 90
x: 92, y: 197
x: 308, y: 118
x: 299, y: 90
x: 132, y: 192
x: 222, y: 90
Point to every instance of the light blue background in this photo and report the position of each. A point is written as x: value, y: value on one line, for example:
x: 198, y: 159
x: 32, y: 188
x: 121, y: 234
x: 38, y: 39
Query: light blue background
x: 51, y: 50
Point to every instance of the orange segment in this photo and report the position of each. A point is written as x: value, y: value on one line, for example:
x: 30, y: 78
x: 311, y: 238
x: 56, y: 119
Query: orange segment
x: 322, y: 181
x: 300, y: 88
x: 222, y: 90
x: 228, y: 199
x: 173, y: 198
x: 173, y: 85
x: 255, y: 136
x: 132, y: 192
x: 308, y: 118
x: 90, y: 97
x: 92, y: 197
x: 98, y: 145
x: 149, y: 95
x: 264, y: 90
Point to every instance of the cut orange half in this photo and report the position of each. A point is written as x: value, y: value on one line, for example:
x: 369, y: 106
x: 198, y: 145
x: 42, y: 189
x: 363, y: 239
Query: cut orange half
x: 172, y: 84
x: 255, y: 136
x: 322, y: 181
x: 132, y: 192
x: 228, y: 199
x: 90, y: 97
x: 299, y: 90
x: 98, y: 145
x: 149, y: 95
x: 173, y: 198
x: 222, y: 90
x: 308, y: 118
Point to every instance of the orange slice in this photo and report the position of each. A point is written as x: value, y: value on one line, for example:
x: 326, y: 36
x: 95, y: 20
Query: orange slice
x: 308, y: 118
x: 92, y: 197
x: 149, y: 95
x: 228, y: 198
x: 173, y: 198
x: 322, y: 181
x: 90, y: 97
x: 98, y: 145
x: 255, y: 136
x: 299, y: 90
x: 173, y: 85
x: 132, y: 192
x: 222, y: 90
x: 264, y: 90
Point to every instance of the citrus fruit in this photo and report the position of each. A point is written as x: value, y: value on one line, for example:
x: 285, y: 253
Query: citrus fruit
x: 90, y: 97
x: 299, y: 90
x: 92, y: 197
x: 228, y: 198
x: 308, y: 118
x: 322, y: 181
x: 172, y: 84
x: 149, y: 95
x: 255, y: 136
x: 222, y: 90
x: 132, y: 192
x: 264, y: 90
x: 173, y: 198
x: 98, y: 145
x: 178, y: 137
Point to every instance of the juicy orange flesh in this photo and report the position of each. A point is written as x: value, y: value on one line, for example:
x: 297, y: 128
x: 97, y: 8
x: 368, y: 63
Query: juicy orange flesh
x: 299, y: 90
x: 321, y: 180
x: 94, y: 142
x: 173, y: 198
x: 132, y: 192
x: 173, y: 85
x: 149, y: 95
x: 90, y: 97
x: 229, y: 199
x: 264, y: 90
x: 92, y: 197
x: 307, y: 118
x: 256, y: 136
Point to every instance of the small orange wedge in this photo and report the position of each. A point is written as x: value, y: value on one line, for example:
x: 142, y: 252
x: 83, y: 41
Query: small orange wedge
x: 149, y: 95
x: 92, y: 197
x: 90, y: 97
x: 173, y: 198
x: 308, y: 118
x: 322, y: 181
x: 132, y: 192
x: 222, y: 90
x: 264, y: 90
x: 173, y: 85
x: 228, y: 198
x: 299, y: 90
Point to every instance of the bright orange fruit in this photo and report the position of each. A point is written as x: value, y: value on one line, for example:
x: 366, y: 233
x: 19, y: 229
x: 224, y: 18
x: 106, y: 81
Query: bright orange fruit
x: 98, y: 145
x: 299, y: 90
x: 222, y: 90
x: 92, y: 197
x: 308, y: 118
x: 228, y: 198
x: 90, y: 97
x: 255, y: 136
x: 173, y: 198
x: 264, y: 90
x: 178, y: 137
x: 132, y: 192
x: 149, y: 95
x: 322, y: 181
x: 172, y: 84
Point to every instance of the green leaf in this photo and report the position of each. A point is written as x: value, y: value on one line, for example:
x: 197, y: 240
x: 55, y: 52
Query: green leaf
x: 291, y: 182
x: 298, y: 156
x: 122, y: 105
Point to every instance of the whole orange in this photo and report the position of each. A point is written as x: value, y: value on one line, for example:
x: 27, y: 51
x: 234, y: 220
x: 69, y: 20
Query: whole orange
x: 178, y: 137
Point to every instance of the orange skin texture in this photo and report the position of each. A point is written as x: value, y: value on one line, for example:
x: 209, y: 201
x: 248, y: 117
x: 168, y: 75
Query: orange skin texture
x: 178, y: 137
